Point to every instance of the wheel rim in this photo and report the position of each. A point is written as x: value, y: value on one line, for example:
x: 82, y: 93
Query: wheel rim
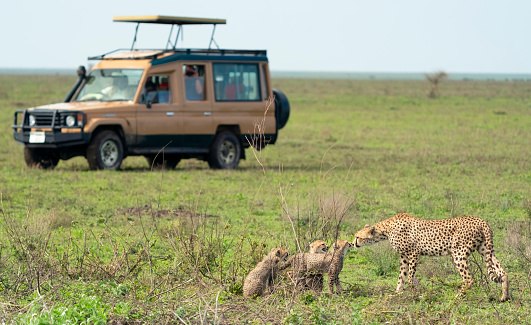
x: 109, y: 153
x: 227, y: 152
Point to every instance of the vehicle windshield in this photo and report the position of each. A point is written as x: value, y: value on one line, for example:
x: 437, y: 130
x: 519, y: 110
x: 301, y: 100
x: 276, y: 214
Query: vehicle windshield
x: 108, y: 85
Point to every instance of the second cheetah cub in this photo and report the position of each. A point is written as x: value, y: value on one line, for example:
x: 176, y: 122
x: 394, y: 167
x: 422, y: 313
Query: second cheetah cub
x: 264, y: 274
x: 318, y: 247
x: 314, y: 280
x: 331, y: 263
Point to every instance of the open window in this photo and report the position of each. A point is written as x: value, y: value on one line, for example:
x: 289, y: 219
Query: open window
x: 194, y: 82
x: 157, y: 90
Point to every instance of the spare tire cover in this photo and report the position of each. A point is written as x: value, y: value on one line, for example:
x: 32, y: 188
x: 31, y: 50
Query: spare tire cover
x: 281, y: 108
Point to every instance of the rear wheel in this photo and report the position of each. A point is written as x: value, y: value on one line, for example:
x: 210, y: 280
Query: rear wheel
x: 225, y: 151
x: 105, y: 151
x: 163, y: 161
x: 40, y: 158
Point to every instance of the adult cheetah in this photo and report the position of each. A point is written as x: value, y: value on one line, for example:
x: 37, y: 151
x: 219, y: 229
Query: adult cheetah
x: 412, y: 237
x: 264, y: 274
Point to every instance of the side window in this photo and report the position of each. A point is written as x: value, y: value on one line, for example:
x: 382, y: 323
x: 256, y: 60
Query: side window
x: 157, y: 90
x: 194, y: 81
x: 237, y: 82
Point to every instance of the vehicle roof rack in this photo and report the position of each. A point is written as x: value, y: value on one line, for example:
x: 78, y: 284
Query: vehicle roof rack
x: 153, y: 54
x: 171, y: 20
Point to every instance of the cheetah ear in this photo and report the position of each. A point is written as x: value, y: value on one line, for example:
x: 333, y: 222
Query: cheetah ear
x: 366, y: 226
x: 278, y: 252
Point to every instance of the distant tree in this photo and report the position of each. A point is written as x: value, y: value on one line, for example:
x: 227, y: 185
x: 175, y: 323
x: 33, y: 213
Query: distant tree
x: 435, y: 79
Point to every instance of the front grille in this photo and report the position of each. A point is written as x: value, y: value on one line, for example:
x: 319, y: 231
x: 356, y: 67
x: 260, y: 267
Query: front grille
x: 45, y: 118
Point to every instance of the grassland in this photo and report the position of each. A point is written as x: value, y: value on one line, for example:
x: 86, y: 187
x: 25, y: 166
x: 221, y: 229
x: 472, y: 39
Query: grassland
x: 141, y: 246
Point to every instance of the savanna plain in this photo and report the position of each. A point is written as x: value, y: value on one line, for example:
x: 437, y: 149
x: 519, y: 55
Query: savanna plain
x: 142, y: 246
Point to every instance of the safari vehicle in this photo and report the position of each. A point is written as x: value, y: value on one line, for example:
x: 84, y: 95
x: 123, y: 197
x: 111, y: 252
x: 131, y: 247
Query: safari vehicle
x: 165, y: 104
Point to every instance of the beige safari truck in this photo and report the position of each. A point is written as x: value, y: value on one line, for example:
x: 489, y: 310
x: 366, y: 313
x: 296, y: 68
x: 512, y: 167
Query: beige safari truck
x: 164, y: 104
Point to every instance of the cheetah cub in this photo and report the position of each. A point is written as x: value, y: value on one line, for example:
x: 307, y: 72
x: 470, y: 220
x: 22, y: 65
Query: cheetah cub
x: 318, y: 247
x: 264, y: 274
x: 314, y: 280
x: 331, y: 263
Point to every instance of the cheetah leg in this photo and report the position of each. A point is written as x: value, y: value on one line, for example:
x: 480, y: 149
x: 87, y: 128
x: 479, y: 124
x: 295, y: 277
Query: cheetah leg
x: 404, y: 265
x: 413, y: 261
x: 504, y: 279
x: 461, y: 263
x: 319, y: 283
x: 495, y: 267
x: 270, y: 283
x: 334, y: 280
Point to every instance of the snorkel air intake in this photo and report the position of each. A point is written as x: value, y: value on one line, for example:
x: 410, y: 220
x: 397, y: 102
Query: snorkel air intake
x: 81, y: 72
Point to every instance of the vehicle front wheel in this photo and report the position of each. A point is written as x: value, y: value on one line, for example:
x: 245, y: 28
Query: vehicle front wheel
x: 40, y: 158
x: 225, y: 151
x: 105, y: 151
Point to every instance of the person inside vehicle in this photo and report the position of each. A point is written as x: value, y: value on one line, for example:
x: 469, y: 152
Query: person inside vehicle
x: 119, y: 90
x: 193, y: 84
x: 234, y: 89
x: 150, y: 92
x: 163, y: 90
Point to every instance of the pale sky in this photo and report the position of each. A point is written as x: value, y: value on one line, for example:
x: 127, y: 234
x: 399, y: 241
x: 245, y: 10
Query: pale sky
x: 459, y: 36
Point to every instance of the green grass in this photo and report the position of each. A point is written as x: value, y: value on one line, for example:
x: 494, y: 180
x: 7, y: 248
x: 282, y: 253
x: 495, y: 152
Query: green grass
x: 174, y: 246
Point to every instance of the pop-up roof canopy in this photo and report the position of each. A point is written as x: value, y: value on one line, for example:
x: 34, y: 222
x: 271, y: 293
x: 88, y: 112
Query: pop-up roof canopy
x: 171, y: 20
x: 171, y: 48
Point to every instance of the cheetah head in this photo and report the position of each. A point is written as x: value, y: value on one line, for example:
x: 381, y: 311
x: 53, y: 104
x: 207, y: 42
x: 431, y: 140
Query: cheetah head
x: 279, y: 254
x: 318, y: 247
x: 341, y: 246
x: 368, y: 236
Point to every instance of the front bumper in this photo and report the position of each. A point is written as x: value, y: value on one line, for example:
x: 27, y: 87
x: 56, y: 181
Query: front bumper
x: 50, y: 130
x: 52, y: 139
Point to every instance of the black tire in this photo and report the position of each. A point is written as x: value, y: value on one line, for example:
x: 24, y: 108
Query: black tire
x: 225, y: 151
x: 105, y: 151
x: 40, y: 158
x: 160, y: 161
x: 282, y: 108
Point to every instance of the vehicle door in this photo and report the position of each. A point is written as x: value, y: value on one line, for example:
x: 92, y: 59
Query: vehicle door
x: 158, y: 120
x: 241, y: 98
x: 196, y: 104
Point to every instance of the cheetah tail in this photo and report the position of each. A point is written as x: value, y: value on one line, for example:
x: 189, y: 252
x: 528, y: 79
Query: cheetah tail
x: 489, y: 253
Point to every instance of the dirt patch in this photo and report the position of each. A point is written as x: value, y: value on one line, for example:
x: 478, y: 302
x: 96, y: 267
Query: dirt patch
x: 148, y: 210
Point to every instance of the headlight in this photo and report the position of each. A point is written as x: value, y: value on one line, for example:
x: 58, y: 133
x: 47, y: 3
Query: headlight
x: 70, y: 120
x: 32, y: 120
